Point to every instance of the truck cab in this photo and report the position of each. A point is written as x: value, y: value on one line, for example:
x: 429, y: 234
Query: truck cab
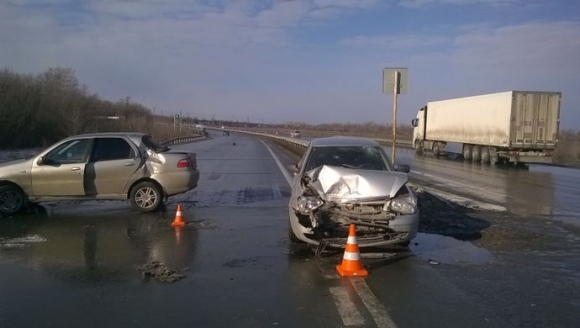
x: 418, y: 124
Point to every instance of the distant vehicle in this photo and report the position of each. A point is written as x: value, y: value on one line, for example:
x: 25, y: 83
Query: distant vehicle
x: 295, y: 134
x: 513, y: 126
x: 344, y: 180
x: 99, y: 166
x: 226, y: 133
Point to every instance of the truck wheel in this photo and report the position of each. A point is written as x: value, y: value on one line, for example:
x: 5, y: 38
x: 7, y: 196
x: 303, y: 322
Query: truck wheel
x: 467, y: 152
x: 146, y: 196
x: 436, y: 149
x: 476, y: 154
x: 485, y: 155
x: 12, y: 200
x: 418, y: 148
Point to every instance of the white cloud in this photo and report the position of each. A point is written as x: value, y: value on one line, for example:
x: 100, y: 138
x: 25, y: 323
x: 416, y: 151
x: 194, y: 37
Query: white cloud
x: 353, y: 4
x: 424, y: 3
x: 548, y: 46
x: 394, y: 42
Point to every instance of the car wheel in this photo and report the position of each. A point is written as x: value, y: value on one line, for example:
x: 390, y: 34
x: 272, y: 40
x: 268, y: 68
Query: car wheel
x: 146, y: 196
x: 12, y: 200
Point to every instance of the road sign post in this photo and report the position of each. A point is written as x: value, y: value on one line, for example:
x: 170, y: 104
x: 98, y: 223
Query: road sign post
x: 395, y: 81
x: 175, y: 122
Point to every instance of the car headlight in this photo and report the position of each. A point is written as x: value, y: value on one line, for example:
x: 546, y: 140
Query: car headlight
x: 307, y: 204
x: 403, y: 205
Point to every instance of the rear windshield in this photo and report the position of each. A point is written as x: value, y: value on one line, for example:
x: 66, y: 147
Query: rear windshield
x: 153, y: 145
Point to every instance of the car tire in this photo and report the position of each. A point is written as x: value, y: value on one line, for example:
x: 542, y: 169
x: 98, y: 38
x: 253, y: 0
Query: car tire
x: 12, y: 200
x: 146, y: 196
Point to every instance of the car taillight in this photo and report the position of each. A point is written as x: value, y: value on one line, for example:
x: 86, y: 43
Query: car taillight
x: 184, y: 163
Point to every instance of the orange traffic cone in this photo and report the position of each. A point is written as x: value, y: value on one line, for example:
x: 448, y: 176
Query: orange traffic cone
x: 351, y: 262
x: 178, y: 221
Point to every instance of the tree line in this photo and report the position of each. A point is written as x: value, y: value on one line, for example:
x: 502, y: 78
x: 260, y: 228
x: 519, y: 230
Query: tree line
x: 38, y: 110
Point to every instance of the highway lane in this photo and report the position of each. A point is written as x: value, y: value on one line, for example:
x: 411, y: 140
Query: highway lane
x: 541, y: 191
x: 81, y: 260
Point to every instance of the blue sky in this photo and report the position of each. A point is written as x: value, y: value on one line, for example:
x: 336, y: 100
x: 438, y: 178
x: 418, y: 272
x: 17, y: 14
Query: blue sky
x: 314, y: 61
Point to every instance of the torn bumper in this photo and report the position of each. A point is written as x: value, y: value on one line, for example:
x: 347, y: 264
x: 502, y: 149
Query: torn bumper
x: 383, y: 209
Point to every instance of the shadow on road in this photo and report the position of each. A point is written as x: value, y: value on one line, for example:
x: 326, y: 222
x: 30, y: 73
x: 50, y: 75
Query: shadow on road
x: 448, y: 219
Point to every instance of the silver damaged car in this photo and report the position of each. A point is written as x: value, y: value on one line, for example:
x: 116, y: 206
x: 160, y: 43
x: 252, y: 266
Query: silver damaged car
x: 98, y: 166
x: 344, y: 180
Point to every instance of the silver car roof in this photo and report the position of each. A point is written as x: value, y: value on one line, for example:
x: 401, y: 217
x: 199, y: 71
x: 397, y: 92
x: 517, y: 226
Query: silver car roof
x: 342, y: 141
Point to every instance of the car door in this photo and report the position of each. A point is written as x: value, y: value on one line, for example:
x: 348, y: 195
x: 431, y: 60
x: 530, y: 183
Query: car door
x: 61, y: 171
x: 114, y: 163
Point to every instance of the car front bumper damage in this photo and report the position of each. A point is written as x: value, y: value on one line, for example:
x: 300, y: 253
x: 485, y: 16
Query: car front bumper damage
x: 333, y: 198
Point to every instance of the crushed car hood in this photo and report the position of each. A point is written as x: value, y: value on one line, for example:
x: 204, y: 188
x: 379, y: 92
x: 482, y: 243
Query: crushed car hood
x: 346, y: 185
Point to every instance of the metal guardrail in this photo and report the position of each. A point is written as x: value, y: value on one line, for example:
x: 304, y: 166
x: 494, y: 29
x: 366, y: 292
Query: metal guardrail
x: 182, y: 140
x: 304, y: 143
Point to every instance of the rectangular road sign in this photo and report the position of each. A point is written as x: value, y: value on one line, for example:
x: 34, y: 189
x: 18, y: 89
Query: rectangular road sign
x: 389, y: 80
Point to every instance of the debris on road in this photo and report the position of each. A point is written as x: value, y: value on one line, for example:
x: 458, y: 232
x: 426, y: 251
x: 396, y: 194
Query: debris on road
x: 155, y: 270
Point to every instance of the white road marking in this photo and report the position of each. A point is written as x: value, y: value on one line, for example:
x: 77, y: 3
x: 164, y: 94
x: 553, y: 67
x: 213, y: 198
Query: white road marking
x: 377, y: 310
x: 494, y: 195
x: 285, y: 172
x: 346, y: 308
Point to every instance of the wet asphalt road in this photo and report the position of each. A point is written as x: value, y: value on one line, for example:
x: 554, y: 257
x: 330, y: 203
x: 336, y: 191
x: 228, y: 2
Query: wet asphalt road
x: 78, y: 263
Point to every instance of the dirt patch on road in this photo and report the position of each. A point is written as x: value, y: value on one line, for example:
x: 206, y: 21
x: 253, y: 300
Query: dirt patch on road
x: 156, y: 270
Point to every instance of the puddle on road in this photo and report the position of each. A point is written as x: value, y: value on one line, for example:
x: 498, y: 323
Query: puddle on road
x: 448, y: 250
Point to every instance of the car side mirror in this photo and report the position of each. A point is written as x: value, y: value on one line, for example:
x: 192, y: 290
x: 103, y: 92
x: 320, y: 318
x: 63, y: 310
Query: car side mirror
x: 402, y: 168
x: 44, y: 161
x: 293, y: 168
x: 415, y: 122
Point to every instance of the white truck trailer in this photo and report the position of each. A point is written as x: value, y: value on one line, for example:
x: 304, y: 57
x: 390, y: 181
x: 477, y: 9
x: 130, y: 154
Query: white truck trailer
x: 512, y: 126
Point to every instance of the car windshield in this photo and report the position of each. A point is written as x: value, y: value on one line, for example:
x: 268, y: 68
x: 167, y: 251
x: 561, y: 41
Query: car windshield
x: 366, y: 158
x: 148, y: 141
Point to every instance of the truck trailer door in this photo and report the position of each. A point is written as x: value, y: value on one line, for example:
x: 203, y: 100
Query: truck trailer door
x: 535, y: 120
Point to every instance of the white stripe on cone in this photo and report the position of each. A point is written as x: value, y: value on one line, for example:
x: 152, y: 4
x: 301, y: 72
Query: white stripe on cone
x: 351, y: 240
x: 351, y: 256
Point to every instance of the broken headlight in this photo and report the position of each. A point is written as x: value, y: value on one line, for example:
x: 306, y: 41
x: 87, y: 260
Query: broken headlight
x: 307, y: 204
x: 405, y: 205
